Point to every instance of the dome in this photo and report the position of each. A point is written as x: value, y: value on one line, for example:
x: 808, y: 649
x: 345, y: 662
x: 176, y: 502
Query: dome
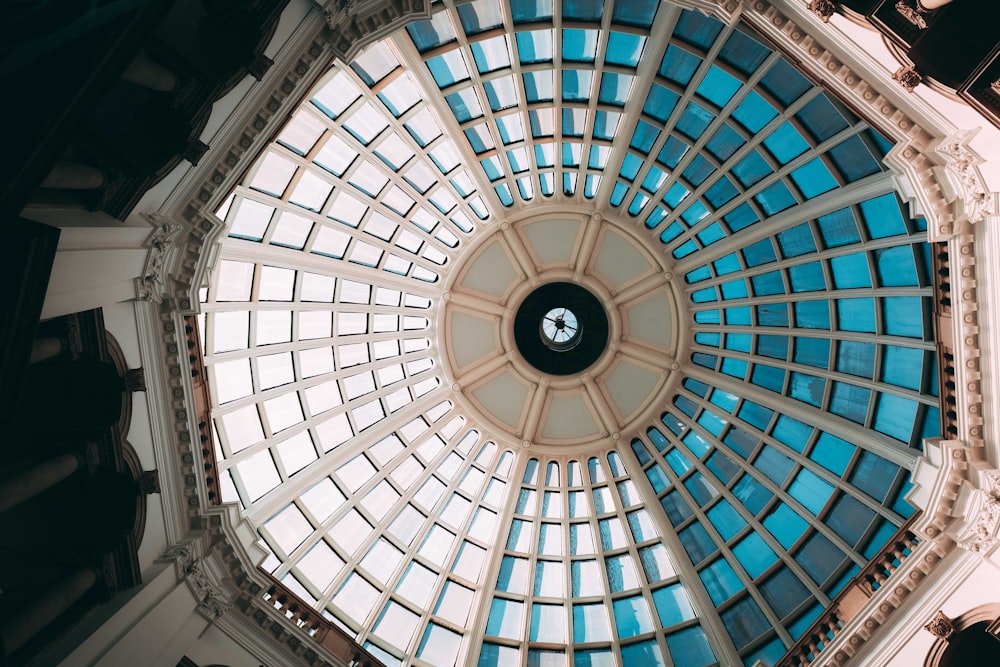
x: 571, y: 332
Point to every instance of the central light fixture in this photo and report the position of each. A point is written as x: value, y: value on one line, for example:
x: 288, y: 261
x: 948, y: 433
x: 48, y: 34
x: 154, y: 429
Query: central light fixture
x: 560, y: 329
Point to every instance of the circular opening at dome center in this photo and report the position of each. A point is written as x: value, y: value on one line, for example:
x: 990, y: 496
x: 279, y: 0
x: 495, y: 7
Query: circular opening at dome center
x: 561, y: 328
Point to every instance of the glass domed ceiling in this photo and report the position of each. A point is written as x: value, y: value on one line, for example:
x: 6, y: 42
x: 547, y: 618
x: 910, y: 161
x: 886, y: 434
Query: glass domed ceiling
x: 779, y: 318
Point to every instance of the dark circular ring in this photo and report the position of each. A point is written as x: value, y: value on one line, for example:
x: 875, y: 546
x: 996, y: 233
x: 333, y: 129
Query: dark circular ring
x: 592, y: 329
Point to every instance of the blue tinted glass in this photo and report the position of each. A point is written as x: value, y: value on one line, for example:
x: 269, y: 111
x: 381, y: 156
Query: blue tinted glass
x: 534, y: 46
x: 751, y: 169
x: 694, y: 120
x: 883, y: 217
x: 768, y: 377
x: 896, y: 267
x: 850, y: 271
x: 672, y: 152
x: 525, y: 11
x: 583, y: 10
x: 644, y: 136
x: 605, y: 124
x: 537, y: 87
x: 853, y: 160
x: 856, y: 315
x: 615, y: 88
x: 850, y: 401
x: 768, y: 283
x: 726, y: 520
x: 792, y: 432
x: 807, y: 277
x: 643, y: 653
x: 773, y: 464
x: 786, y: 525
x: 624, y: 49
x: 718, y: 87
x: 660, y: 102
x: 832, y: 453
x: 696, y: 542
x: 820, y: 558
x: 754, y: 555
x: 579, y: 45
x: 721, y: 192
x: 743, y: 53
x: 895, y: 416
x: 688, y: 648
x: 856, y: 358
x: 775, y: 198
x: 821, y: 119
x: 754, y: 113
x: 785, y: 143
x: 810, y: 490
x: 784, y: 82
x: 755, y: 415
x: 576, y: 85
x: 903, y: 366
x: 807, y: 388
x: 752, y: 494
x: 904, y: 316
x: 721, y: 581
x: 812, y: 351
x: 635, y: 12
x: 812, y: 315
x: 672, y: 605
x: 813, y: 178
x: 632, y: 617
x: 775, y: 347
x: 697, y: 29
x: 744, y: 621
x: 724, y: 142
x: 838, y: 228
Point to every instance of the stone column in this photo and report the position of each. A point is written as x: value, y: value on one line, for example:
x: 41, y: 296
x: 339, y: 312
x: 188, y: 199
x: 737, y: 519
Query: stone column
x: 46, y: 608
x: 29, y: 483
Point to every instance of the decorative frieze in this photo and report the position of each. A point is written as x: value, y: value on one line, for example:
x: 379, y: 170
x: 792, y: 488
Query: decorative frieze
x: 963, y: 165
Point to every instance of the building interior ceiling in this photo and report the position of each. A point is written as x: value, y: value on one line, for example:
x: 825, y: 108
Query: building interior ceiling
x: 694, y: 492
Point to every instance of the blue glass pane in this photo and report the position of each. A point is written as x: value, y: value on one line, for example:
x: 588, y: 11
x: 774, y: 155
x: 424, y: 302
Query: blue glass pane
x: 744, y: 621
x: 721, y: 581
x: 582, y: 10
x: 534, y: 46
x: 643, y: 653
x: 688, y: 648
x: 856, y: 315
x: 812, y: 351
x: 579, y: 45
x: 838, y: 228
x: 874, y: 475
x: 810, y: 490
x: 850, y: 401
x: 526, y: 11
x: 752, y: 494
x: 694, y: 120
x: 638, y: 13
x: 832, y: 453
x: 672, y: 605
x: 697, y: 29
x: 632, y: 617
x: 726, y: 519
x: 821, y: 119
x: 624, y: 49
x: 784, y: 592
x: 850, y: 271
x: 754, y: 555
x: 754, y: 112
x: 904, y: 316
x: 853, y: 160
x: 785, y: 143
x: 903, y: 366
x: 718, y: 87
x: 775, y: 198
x: 660, y: 103
x: 813, y: 179
x: 751, y: 169
x: 696, y: 542
x: 882, y: 216
x: 785, y: 82
x: 786, y: 525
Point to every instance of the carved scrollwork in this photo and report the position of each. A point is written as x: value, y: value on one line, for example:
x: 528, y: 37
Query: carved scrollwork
x: 152, y: 285
x: 940, y: 626
x: 964, y: 164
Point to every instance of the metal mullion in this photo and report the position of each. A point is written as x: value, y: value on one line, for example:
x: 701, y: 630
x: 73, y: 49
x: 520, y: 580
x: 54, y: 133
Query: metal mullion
x: 312, y: 474
x: 685, y: 570
x: 301, y: 260
x: 827, y: 373
x: 819, y: 254
x: 880, y: 444
x: 800, y: 458
x: 413, y: 61
x: 828, y: 202
x: 881, y: 339
x: 700, y: 515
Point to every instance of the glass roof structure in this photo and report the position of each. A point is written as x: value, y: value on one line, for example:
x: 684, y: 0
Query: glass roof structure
x: 768, y: 382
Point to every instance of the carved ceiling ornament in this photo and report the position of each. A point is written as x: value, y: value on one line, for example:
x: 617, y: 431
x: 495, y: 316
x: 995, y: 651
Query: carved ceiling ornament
x: 824, y: 9
x: 963, y: 164
x: 907, y: 77
x: 152, y: 285
x: 983, y: 518
x: 913, y: 15
x: 940, y: 626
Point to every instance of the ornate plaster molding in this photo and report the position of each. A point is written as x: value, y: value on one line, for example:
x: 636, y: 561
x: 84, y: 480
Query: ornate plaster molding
x: 355, y: 24
x: 940, y: 626
x: 824, y: 9
x: 963, y: 165
x: 912, y: 15
x: 152, y: 284
x: 980, y: 535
